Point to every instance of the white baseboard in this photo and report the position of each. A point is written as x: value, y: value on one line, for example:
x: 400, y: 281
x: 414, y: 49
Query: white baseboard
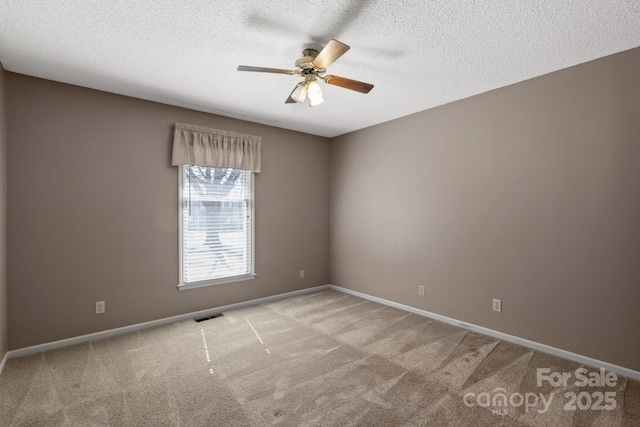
x: 4, y: 362
x: 140, y: 326
x: 629, y: 373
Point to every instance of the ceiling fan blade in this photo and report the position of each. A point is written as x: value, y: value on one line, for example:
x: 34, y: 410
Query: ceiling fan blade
x: 332, y: 51
x: 290, y: 100
x: 348, y: 83
x: 264, y: 70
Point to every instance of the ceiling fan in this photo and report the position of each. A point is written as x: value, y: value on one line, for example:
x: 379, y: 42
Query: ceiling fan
x: 312, y: 67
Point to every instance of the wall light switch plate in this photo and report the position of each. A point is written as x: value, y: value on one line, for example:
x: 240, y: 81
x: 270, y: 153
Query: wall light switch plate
x: 421, y: 290
x: 100, y: 307
x: 302, y: 274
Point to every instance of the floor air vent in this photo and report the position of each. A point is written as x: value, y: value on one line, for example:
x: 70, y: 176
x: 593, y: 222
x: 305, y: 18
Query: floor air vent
x: 213, y: 316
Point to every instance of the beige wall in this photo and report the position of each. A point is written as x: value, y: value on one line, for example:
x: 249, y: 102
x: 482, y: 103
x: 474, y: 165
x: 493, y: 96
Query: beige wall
x: 529, y: 194
x: 3, y: 219
x: 92, y: 208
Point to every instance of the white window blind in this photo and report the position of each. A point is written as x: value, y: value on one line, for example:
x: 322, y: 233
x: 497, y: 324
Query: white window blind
x: 217, y: 225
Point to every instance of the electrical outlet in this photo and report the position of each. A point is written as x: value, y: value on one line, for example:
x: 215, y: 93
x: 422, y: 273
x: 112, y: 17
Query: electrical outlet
x: 497, y: 305
x: 302, y: 274
x: 421, y: 290
x: 100, y: 307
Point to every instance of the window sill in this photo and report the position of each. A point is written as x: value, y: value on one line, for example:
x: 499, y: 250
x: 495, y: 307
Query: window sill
x: 193, y: 285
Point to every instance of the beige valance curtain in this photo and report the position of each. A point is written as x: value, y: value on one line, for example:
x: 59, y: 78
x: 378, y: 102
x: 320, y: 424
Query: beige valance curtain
x: 201, y: 146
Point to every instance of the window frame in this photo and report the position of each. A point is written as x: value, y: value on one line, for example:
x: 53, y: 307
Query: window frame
x: 182, y: 285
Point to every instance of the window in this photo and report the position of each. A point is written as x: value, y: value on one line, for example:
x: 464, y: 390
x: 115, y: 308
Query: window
x: 216, y: 226
x: 216, y: 173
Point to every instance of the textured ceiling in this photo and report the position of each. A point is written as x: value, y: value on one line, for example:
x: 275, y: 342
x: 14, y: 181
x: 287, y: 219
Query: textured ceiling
x: 419, y: 54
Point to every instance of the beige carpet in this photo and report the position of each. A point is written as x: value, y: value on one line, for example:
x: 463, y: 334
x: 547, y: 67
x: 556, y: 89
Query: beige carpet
x: 321, y: 359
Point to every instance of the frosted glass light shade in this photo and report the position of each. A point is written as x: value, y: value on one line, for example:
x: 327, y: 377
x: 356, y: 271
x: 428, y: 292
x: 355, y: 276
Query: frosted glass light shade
x: 300, y: 92
x: 315, y: 93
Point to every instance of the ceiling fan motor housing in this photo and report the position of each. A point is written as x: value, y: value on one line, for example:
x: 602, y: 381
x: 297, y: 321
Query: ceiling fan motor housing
x: 305, y: 64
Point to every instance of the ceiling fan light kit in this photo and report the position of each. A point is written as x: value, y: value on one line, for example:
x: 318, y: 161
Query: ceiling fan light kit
x: 312, y: 65
x: 309, y: 87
